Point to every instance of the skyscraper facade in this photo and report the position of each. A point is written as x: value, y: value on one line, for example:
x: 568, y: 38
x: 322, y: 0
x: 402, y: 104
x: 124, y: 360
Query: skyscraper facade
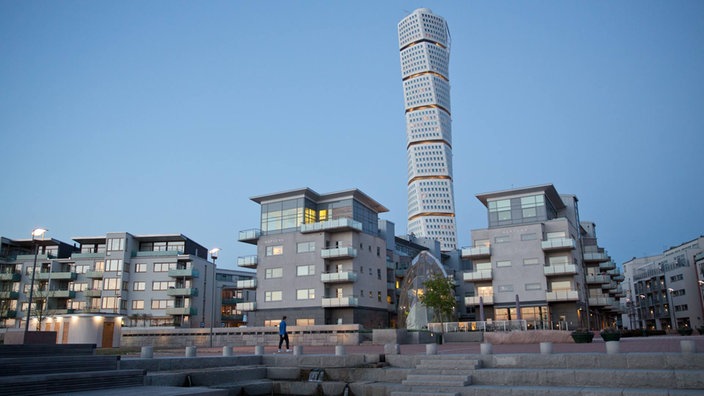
x: 424, y: 42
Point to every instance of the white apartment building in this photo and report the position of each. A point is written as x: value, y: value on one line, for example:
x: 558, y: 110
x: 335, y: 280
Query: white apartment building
x: 424, y: 43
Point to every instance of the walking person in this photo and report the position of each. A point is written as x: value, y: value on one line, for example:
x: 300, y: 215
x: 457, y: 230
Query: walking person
x: 283, y: 334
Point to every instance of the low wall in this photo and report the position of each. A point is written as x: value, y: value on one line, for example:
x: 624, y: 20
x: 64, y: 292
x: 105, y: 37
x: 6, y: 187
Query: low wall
x: 16, y: 336
x: 243, y: 336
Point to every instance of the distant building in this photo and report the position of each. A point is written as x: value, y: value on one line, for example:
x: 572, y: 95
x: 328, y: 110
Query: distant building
x: 146, y: 280
x: 665, y: 290
x: 424, y: 43
x: 321, y: 259
x: 538, y: 262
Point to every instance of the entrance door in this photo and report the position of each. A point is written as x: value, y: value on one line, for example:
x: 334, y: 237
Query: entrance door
x: 64, y: 336
x: 108, y: 329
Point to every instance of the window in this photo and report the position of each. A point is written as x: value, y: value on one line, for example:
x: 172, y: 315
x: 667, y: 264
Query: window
x: 82, y: 269
x: 276, y: 295
x: 556, y: 235
x: 162, y: 304
x: 561, y: 285
x: 99, y: 266
x: 164, y: 267
x: 138, y: 286
x: 140, y: 267
x: 305, y: 270
x: 378, y: 296
x: 163, y: 285
x: 506, y: 263
x: 77, y: 286
x: 271, y: 273
x: 274, y: 250
x: 529, y: 237
x: 305, y: 322
x: 533, y: 286
x: 378, y: 274
x: 305, y: 294
x: 305, y: 247
x: 677, y: 278
x: 530, y: 261
x: 505, y: 288
x: 113, y: 265
x: 559, y: 260
x: 110, y: 303
x: 115, y: 244
x: 137, y: 304
x: 502, y: 239
x: 112, y: 283
x: 502, y: 208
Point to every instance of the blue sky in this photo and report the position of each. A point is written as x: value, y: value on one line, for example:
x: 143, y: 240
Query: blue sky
x: 167, y: 116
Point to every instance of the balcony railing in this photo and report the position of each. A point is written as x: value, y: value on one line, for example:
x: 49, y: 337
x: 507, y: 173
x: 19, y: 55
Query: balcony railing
x: 92, y: 292
x: 562, y: 295
x: 9, y: 295
x: 340, y: 302
x: 182, y: 291
x: 339, y: 277
x: 56, y: 275
x: 87, y: 255
x: 11, y: 276
x: 178, y: 311
x: 248, y: 261
x: 560, y: 269
x: 157, y: 253
x: 598, y: 279
x: 558, y: 244
x: 247, y: 284
x: 480, y: 275
x: 476, y: 252
x: 609, y: 265
x: 94, y: 274
x: 184, y: 273
x: 600, y: 301
x: 596, y: 256
x: 250, y: 236
x: 474, y: 300
x: 247, y: 306
x: 61, y: 294
x: 341, y: 224
x: 338, y: 253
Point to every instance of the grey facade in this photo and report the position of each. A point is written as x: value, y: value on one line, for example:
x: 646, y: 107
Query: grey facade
x: 321, y: 259
x: 534, y: 262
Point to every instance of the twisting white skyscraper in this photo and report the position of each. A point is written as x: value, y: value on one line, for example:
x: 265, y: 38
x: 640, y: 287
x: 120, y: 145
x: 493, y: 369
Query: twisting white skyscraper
x: 424, y: 41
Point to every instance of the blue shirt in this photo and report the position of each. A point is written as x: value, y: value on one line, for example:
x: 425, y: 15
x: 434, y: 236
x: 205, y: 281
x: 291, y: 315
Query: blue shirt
x: 282, y: 327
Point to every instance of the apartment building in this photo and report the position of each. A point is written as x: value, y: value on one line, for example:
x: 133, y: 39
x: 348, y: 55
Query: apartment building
x: 534, y: 262
x: 321, y: 259
x: 665, y: 290
x: 147, y: 280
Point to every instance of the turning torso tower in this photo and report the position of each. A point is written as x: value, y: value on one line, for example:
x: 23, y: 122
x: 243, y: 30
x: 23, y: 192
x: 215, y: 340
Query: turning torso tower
x: 424, y: 41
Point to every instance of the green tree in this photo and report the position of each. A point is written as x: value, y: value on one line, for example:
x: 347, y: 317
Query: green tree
x: 439, y: 296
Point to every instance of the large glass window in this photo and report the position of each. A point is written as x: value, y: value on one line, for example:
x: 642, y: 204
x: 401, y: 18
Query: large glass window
x: 113, y: 265
x: 274, y: 295
x: 305, y: 247
x: 305, y: 294
x: 116, y: 244
x: 274, y: 250
x: 273, y: 273
x: 305, y: 270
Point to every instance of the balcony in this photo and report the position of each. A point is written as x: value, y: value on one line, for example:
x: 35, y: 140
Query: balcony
x: 94, y: 274
x: 247, y: 306
x: 480, y: 275
x: 184, y: 273
x: 561, y: 295
x: 561, y: 269
x: 92, y: 292
x: 341, y: 224
x: 182, y: 291
x: 596, y: 257
x: 609, y: 265
x: 340, y: 302
x: 87, y: 255
x: 338, y: 253
x: 248, y: 261
x: 598, y: 279
x: 188, y: 311
x: 247, y: 284
x: 474, y: 300
x: 232, y: 301
x: 159, y: 253
x: 339, y: 277
x: 250, y: 236
x: 9, y: 314
x: 558, y: 244
x: 476, y: 252
x: 11, y: 276
x: 600, y: 301
x: 61, y: 294
x: 9, y: 295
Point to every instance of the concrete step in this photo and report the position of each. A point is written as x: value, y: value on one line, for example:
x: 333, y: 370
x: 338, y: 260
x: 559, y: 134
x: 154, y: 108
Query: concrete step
x: 402, y: 393
x: 205, y: 377
x: 484, y: 390
x: 465, y: 364
x: 154, y: 391
x: 259, y: 387
x: 624, y: 378
x: 436, y: 380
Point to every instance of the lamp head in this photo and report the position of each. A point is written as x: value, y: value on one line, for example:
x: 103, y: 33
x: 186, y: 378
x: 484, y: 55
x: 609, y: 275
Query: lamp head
x: 214, y: 252
x: 37, y: 232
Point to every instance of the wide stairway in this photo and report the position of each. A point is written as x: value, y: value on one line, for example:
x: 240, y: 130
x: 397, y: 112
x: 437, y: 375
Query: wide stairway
x: 558, y: 374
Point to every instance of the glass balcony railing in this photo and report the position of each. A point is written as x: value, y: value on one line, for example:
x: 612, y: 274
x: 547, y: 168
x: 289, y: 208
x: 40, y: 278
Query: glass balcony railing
x: 338, y: 277
x: 184, y: 273
x: 474, y: 300
x: 250, y: 236
x: 178, y: 311
x: 182, y: 291
x: 558, y: 244
x: 341, y: 224
x: 248, y: 261
x: 338, y: 253
x: 562, y: 295
x: 476, y: 252
x: 479, y: 275
x: 560, y: 269
x: 340, y: 302
x: 247, y: 284
x: 247, y: 306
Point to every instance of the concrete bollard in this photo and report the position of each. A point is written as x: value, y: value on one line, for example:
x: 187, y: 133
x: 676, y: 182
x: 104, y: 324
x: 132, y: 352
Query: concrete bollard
x: 688, y: 346
x: 546, y: 348
x: 298, y: 350
x: 147, y: 352
x: 485, y: 348
x: 391, y: 349
x: 431, y: 349
x: 259, y: 350
x: 340, y: 350
x: 227, y: 351
x: 191, y: 351
x: 612, y: 347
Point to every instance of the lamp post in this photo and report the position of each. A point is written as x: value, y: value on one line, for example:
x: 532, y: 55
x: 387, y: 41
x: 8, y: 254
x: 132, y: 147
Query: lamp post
x: 214, y: 256
x: 37, y: 232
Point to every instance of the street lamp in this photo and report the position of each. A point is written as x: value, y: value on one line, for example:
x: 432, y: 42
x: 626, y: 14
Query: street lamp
x: 37, y: 232
x: 214, y: 256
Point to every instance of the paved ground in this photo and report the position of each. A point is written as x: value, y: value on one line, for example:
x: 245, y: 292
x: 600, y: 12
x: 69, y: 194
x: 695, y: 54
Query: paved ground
x: 653, y: 344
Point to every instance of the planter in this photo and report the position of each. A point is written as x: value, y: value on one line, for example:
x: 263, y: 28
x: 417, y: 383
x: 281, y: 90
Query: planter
x: 582, y: 338
x: 610, y: 336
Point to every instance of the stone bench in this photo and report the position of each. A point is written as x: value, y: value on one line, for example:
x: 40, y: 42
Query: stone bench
x: 57, y: 364
x: 42, y: 384
x: 20, y: 350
